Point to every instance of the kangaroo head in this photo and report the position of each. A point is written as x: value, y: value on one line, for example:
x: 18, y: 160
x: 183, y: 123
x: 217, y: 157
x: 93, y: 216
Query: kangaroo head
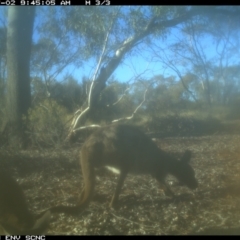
x: 185, y: 172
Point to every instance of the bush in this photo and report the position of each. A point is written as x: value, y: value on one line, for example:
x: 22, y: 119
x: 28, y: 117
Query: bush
x: 47, y: 123
x: 175, y: 125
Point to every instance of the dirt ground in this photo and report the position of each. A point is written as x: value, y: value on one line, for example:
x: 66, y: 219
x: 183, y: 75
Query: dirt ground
x: 50, y: 178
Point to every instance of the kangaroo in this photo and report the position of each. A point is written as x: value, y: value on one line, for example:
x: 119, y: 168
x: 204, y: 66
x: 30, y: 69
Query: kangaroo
x: 128, y: 150
x: 15, y: 217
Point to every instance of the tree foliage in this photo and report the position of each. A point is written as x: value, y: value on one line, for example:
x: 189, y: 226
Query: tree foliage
x: 97, y: 41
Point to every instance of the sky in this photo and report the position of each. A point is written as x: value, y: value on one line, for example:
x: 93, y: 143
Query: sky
x: 141, y: 64
x: 135, y: 65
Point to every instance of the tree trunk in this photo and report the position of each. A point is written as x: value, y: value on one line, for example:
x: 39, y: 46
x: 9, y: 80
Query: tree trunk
x: 19, y: 39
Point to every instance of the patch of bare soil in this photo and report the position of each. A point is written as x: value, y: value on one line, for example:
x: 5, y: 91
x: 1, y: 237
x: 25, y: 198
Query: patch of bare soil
x: 50, y: 178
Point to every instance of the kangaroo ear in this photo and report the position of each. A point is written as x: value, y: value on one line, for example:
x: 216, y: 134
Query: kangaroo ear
x: 186, y: 156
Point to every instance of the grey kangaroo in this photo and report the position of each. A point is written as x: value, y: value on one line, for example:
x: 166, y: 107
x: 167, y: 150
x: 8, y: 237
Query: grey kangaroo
x: 15, y: 217
x: 129, y: 150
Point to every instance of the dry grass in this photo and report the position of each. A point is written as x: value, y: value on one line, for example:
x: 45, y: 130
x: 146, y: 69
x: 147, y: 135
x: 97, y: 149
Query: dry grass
x: 52, y: 178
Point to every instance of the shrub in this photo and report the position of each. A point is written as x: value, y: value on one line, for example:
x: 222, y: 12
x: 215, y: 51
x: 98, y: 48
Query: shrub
x: 47, y: 123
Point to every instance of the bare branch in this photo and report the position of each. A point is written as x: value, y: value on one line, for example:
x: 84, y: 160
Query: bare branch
x: 135, y: 111
x: 124, y: 93
x: 85, y: 127
x: 77, y: 118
